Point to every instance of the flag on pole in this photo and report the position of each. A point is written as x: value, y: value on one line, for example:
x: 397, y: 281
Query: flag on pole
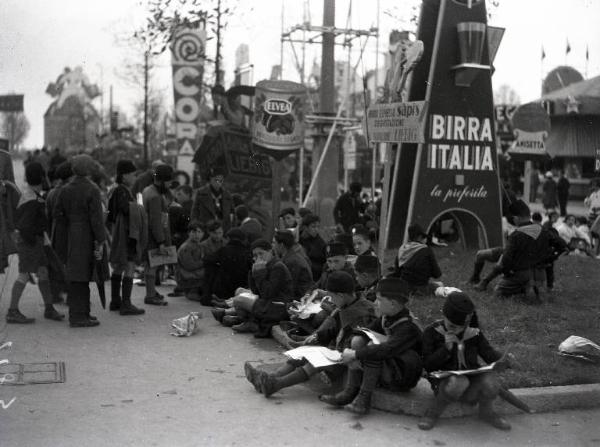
x: 543, y: 53
x: 587, y: 53
x: 568, y: 49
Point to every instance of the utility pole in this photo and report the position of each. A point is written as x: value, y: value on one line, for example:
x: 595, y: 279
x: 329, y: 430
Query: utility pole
x: 218, y: 58
x: 326, y: 185
x: 146, y: 69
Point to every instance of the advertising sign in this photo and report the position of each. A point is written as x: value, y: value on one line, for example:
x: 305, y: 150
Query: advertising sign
x: 455, y: 169
x: 349, y: 146
x: 278, y: 115
x: 187, y: 58
x: 398, y: 122
x: 597, y: 161
x: 11, y: 103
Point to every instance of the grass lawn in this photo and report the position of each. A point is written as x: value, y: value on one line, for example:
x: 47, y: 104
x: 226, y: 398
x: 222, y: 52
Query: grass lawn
x: 531, y: 333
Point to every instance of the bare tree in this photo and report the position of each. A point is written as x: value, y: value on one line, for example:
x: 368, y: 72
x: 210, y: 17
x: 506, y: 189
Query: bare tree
x: 15, y: 127
x: 505, y: 94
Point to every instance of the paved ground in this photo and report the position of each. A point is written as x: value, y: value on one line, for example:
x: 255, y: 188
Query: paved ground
x: 130, y: 383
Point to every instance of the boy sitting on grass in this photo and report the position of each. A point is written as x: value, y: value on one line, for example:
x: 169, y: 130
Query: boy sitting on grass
x: 455, y: 343
x: 350, y: 312
x: 394, y: 362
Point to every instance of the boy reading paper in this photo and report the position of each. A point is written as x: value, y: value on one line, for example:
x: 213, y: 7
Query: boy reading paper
x: 455, y: 343
x: 391, y: 360
x: 350, y: 312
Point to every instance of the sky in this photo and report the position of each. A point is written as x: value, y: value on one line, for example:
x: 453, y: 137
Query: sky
x: 41, y: 37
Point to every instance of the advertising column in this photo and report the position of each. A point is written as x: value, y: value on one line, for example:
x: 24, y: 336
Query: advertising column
x: 187, y: 53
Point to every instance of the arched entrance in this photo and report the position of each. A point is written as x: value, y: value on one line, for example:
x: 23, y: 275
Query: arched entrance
x: 470, y: 228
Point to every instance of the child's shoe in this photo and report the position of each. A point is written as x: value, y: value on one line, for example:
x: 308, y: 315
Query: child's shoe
x: 361, y: 403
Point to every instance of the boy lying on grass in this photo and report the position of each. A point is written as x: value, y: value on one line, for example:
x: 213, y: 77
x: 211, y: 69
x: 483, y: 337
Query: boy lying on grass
x: 394, y: 362
x: 350, y: 313
x: 455, y: 343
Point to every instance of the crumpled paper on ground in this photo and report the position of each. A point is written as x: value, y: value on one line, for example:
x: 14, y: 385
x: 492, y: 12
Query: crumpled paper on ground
x: 581, y: 348
x: 186, y: 326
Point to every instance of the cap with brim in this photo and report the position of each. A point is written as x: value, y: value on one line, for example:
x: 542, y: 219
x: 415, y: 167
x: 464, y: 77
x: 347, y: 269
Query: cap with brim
x: 163, y: 173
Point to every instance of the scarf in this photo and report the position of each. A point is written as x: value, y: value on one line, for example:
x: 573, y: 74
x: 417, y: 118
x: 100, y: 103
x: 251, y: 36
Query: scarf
x: 217, y: 196
x: 468, y: 333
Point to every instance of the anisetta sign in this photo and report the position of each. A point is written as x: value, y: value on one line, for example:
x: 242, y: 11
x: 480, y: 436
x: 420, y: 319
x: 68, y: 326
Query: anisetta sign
x: 398, y: 122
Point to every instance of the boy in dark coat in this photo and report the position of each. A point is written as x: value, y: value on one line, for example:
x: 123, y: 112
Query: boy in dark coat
x: 455, y: 343
x: 416, y: 263
x: 525, y: 250
x: 251, y: 227
x: 271, y: 282
x: 394, y: 362
x: 213, y: 202
x: 123, y: 251
x: 336, y: 331
x: 313, y: 244
x: 31, y: 222
x: 159, y: 234
x: 336, y: 253
x: 299, y: 269
x: 233, y: 263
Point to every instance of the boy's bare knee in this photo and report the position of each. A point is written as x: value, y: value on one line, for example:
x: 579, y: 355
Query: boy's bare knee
x: 454, y: 387
x: 357, y: 342
x: 489, y: 385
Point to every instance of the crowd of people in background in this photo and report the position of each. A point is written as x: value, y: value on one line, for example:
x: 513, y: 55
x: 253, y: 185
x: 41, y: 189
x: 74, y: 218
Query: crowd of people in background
x: 71, y: 221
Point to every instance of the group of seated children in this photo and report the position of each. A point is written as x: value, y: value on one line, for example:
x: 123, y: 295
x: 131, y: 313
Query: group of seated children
x: 402, y: 351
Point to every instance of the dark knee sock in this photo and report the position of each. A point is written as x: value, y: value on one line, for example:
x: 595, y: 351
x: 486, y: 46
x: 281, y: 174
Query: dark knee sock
x: 127, y: 285
x: 284, y: 369
x: 150, y: 286
x: 44, y: 286
x: 115, y: 287
x: 293, y: 378
x: 17, y: 291
x: 370, y: 376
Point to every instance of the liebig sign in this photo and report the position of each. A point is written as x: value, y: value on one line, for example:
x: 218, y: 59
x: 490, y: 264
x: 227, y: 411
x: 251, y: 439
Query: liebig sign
x: 187, y: 51
x: 398, y: 122
x: 454, y: 172
x: 597, y: 160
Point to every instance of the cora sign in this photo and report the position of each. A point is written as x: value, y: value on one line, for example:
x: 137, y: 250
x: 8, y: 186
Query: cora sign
x: 188, y: 54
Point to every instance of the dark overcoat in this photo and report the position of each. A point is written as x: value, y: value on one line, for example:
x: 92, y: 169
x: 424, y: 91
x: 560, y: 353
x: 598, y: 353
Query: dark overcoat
x: 79, y: 210
x: 156, y: 206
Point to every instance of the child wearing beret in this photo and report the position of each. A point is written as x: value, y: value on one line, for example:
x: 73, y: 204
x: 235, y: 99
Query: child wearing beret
x: 337, y: 330
x: 335, y: 253
x: 455, y: 343
x: 394, y: 362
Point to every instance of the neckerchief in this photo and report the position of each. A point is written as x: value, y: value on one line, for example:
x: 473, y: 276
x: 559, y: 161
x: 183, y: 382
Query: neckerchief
x: 468, y: 333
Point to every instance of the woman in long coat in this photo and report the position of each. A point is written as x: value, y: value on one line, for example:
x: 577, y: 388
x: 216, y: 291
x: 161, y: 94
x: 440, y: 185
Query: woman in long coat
x: 79, y: 209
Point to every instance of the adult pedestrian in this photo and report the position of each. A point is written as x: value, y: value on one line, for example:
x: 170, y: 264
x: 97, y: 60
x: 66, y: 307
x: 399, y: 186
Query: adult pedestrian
x: 348, y: 208
x: 550, y: 198
x: 562, y: 188
x: 79, y: 210
x: 212, y: 201
x: 156, y: 204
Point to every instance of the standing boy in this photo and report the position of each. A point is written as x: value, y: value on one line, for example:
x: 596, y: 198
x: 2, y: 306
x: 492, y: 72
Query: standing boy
x: 455, y: 343
x: 394, y: 362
